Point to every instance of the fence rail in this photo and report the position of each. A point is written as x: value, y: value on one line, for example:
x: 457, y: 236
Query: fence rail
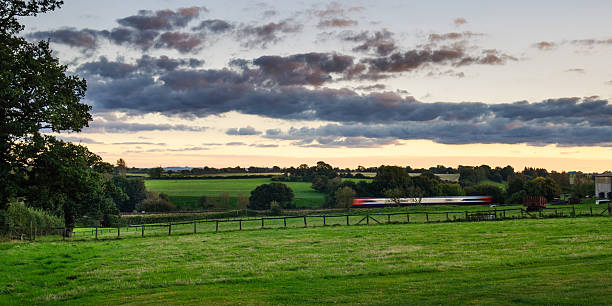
x: 237, y: 224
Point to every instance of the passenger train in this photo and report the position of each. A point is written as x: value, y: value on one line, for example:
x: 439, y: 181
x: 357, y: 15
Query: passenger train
x: 456, y: 200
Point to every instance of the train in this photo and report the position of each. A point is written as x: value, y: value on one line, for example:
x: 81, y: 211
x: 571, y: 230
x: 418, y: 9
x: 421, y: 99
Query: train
x: 454, y: 200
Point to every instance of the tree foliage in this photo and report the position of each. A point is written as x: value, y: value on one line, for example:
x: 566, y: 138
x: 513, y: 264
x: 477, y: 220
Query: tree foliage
x: 263, y: 195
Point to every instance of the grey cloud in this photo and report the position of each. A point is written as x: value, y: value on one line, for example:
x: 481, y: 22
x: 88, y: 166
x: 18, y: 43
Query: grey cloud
x: 381, y: 42
x: 139, y: 143
x: 249, y: 130
x: 214, y: 25
x: 270, y: 33
x: 122, y: 127
x: 182, y: 42
x: 86, y: 39
x: 577, y: 70
x: 146, y: 64
x: 337, y: 23
x: 263, y: 145
x: 188, y: 149
x: 162, y: 20
x: 142, y: 39
x: 495, y: 131
x: 592, y: 42
x: 235, y: 143
x: 452, y: 36
x: 78, y: 139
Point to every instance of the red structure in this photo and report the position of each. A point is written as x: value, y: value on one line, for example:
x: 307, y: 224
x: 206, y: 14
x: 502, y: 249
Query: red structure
x: 534, y: 203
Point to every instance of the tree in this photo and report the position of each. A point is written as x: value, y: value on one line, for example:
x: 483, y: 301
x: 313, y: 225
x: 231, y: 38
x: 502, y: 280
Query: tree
x: 121, y: 167
x: 389, y: 177
x: 344, y: 197
x: 395, y: 195
x: 264, y: 194
x: 69, y: 180
x: 35, y: 93
x: 156, y: 172
x: 545, y: 187
x: 495, y: 192
x: 134, y: 188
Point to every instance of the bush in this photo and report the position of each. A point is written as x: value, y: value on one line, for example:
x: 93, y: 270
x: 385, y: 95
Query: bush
x: 155, y: 203
x: 18, y: 219
x: 266, y: 193
x: 486, y: 190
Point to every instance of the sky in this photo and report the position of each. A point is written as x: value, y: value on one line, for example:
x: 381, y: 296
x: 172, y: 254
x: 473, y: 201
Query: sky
x: 264, y: 83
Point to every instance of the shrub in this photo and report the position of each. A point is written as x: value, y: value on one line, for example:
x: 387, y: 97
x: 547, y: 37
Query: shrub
x: 18, y: 219
x: 155, y: 203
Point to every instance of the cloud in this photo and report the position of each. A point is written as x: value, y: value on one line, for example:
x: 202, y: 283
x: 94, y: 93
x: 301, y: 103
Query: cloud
x: 337, y: 23
x: 182, y: 42
x: 459, y: 21
x: 609, y: 82
x: 188, y: 149
x: 546, y: 45
x: 146, y: 64
x: 380, y: 42
x: 143, y: 39
x: 591, y: 42
x: 270, y: 33
x: 78, y: 139
x: 122, y: 127
x: 85, y: 39
x: 577, y: 70
x: 452, y: 36
x: 263, y: 145
x: 249, y: 130
x: 162, y: 20
x: 139, y: 143
x: 303, y: 69
x: 235, y: 143
x: 214, y: 25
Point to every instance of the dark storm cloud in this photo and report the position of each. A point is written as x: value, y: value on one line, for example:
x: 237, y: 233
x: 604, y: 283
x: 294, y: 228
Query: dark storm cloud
x: 162, y: 20
x: 249, y: 130
x: 214, y: 25
x: 143, y: 39
x: 380, y: 42
x: 86, y: 39
x: 270, y: 33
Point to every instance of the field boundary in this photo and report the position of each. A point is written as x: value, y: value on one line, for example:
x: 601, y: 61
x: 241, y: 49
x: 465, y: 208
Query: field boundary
x: 305, y: 221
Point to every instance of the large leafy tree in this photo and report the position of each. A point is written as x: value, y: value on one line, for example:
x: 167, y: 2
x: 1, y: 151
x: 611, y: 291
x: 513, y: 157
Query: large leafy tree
x: 35, y: 94
x: 263, y: 195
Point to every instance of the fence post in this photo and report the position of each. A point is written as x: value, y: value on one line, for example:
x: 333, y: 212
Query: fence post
x: 31, y: 230
x: 573, y: 211
x: 347, y: 220
x: 169, y: 228
x: 324, y: 223
x: 408, y: 217
x: 194, y: 227
x: 305, y: 225
x: 466, y: 215
x: 609, y: 210
x: 118, y: 231
x: 217, y: 226
x: 447, y: 218
x: 262, y: 222
x: 285, y: 221
x: 522, y: 213
x: 591, y: 210
x: 367, y: 219
x: 96, y: 233
x: 143, y: 230
x: 426, y: 217
x: 240, y: 223
x: 495, y: 210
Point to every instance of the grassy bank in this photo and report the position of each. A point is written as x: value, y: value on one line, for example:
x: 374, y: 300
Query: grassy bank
x: 565, y: 260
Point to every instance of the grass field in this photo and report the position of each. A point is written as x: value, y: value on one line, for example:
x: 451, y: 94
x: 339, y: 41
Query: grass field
x: 546, y: 261
x: 185, y: 194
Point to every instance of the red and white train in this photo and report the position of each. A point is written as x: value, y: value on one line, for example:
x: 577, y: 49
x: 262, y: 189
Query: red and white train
x: 455, y: 200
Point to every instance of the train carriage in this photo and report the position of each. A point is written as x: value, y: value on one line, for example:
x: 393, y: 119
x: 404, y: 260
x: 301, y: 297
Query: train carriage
x: 454, y: 200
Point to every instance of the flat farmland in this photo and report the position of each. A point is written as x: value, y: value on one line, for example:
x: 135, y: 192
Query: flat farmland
x: 185, y: 193
x: 535, y: 261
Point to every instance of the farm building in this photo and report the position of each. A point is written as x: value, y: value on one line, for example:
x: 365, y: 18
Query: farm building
x: 603, y: 185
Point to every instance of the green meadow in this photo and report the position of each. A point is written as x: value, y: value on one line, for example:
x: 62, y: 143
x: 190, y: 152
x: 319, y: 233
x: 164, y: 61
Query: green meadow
x: 536, y: 261
x: 186, y: 193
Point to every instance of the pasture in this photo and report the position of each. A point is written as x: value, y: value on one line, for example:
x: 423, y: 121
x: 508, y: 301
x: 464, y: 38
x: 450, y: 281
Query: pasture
x: 186, y: 193
x: 542, y: 261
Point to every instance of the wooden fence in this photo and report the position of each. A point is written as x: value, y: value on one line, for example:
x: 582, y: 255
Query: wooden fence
x: 237, y: 224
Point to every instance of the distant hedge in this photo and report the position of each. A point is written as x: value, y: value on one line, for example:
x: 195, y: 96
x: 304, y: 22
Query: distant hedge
x: 18, y: 219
